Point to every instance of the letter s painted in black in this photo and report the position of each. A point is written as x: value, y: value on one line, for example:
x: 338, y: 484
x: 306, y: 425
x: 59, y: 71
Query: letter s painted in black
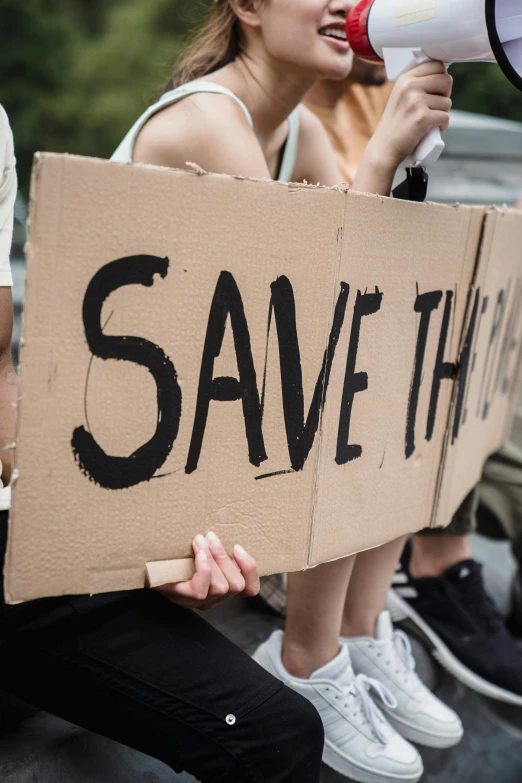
x: 108, y: 471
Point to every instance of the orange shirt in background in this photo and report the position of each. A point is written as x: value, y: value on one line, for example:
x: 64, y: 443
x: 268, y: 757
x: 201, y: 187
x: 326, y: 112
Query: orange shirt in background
x: 352, y: 123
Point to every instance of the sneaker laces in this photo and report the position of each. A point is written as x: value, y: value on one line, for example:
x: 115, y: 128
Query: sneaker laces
x: 360, y: 688
x: 402, y: 646
x: 404, y: 652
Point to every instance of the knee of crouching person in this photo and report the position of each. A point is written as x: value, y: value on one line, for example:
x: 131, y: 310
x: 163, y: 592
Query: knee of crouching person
x: 298, y: 728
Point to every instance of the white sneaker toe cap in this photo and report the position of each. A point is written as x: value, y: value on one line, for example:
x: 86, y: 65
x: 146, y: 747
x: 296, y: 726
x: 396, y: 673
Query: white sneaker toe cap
x: 397, y: 758
x: 435, y: 716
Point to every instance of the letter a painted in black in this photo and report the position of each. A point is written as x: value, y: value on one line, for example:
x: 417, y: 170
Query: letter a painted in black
x: 227, y: 301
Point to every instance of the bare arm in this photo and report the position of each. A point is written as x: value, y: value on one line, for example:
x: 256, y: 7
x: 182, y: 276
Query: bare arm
x: 8, y: 384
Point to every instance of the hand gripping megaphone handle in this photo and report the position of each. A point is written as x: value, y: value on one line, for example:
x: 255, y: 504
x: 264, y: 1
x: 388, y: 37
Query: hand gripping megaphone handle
x: 429, y: 150
x: 399, y: 61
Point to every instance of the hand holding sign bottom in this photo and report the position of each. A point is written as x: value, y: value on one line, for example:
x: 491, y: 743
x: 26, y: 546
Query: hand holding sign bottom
x: 216, y: 577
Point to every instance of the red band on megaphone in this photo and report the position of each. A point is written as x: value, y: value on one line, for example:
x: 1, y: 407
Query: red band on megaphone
x: 357, y: 32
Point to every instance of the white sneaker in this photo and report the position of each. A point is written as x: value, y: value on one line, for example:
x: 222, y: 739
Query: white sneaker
x: 420, y: 716
x: 359, y: 742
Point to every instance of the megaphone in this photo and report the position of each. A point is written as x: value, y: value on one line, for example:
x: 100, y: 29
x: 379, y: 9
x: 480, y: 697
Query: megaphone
x: 405, y: 33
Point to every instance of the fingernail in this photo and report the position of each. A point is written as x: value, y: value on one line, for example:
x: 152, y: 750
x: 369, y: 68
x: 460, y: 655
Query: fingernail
x: 213, y: 539
x: 202, y: 554
x: 200, y: 541
x: 239, y: 550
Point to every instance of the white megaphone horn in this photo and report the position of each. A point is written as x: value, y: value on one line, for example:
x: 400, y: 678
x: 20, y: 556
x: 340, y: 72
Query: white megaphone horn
x: 405, y: 33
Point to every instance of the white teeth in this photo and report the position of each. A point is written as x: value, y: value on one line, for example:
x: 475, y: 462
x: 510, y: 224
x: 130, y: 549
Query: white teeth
x: 334, y: 32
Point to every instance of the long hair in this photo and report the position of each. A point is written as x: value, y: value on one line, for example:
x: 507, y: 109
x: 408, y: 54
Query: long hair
x: 215, y: 44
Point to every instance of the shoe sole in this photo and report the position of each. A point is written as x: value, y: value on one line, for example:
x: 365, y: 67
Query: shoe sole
x: 426, y: 739
x: 345, y: 767
x: 400, y: 610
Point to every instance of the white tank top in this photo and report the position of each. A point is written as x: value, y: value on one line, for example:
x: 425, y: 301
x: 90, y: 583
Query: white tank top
x: 123, y: 153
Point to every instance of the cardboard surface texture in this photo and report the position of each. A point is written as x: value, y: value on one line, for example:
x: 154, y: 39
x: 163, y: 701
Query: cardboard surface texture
x: 272, y: 362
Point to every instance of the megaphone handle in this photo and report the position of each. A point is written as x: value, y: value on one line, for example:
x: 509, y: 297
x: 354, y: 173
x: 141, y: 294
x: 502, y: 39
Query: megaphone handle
x: 399, y: 61
x: 429, y: 150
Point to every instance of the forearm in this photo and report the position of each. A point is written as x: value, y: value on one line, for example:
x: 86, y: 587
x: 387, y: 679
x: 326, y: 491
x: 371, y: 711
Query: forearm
x: 8, y: 406
x: 375, y: 174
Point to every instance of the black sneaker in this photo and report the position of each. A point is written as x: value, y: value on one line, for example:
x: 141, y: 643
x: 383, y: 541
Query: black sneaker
x: 461, y: 625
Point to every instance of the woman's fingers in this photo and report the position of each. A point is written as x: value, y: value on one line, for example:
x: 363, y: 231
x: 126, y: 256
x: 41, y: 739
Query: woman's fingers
x: 439, y: 119
x: 428, y: 68
x: 216, y: 576
x: 194, y: 592
x: 229, y: 571
x: 439, y: 103
x: 218, y: 587
x: 436, y: 84
x: 247, y: 566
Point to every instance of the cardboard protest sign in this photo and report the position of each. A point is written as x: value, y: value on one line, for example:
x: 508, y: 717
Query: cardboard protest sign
x: 273, y: 362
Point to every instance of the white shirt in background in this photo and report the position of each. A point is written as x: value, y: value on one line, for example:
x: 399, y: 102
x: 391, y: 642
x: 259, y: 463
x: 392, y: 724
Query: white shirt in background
x: 7, y: 200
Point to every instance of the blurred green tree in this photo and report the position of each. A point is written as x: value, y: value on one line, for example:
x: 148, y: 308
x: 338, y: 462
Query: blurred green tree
x: 77, y: 73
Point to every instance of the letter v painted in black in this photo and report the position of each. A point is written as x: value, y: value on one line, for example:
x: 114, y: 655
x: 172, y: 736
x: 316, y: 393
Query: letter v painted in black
x: 109, y: 471
x: 300, y: 434
x: 227, y: 301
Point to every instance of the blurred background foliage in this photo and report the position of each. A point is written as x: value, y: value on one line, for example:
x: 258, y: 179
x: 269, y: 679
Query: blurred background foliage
x: 75, y: 74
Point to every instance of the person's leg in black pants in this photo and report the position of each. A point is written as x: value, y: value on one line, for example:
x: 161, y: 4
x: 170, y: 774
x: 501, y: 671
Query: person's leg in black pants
x: 156, y: 677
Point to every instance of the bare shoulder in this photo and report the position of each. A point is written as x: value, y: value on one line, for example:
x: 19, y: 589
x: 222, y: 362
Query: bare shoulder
x: 315, y: 158
x: 207, y: 129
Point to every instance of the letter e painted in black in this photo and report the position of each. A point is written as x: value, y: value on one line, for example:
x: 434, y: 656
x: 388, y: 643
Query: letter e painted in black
x: 354, y: 382
x: 442, y: 370
x: 227, y: 301
x: 109, y: 471
x: 425, y: 304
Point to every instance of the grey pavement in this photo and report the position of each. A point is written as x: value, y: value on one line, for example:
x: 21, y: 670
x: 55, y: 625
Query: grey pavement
x: 44, y: 749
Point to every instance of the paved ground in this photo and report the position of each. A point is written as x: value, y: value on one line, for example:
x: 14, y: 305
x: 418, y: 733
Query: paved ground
x: 43, y: 749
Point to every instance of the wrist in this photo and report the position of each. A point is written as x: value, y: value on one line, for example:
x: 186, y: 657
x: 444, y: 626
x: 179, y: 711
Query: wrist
x: 383, y: 163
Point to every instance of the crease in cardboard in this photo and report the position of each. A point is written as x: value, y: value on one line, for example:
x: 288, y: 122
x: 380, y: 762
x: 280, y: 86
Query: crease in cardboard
x: 447, y: 431
x: 335, y: 283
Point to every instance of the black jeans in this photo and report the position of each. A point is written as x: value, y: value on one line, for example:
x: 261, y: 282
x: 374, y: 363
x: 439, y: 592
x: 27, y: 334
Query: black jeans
x: 149, y: 674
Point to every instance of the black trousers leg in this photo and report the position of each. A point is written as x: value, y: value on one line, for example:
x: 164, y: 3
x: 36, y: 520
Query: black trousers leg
x: 156, y: 677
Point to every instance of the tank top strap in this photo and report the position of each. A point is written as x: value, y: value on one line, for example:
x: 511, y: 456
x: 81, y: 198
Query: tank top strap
x: 123, y: 153
x: 290, y: 151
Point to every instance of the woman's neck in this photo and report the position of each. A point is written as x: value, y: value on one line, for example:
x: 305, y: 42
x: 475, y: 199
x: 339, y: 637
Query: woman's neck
x: 269, y: 94
x: 328, y: 92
